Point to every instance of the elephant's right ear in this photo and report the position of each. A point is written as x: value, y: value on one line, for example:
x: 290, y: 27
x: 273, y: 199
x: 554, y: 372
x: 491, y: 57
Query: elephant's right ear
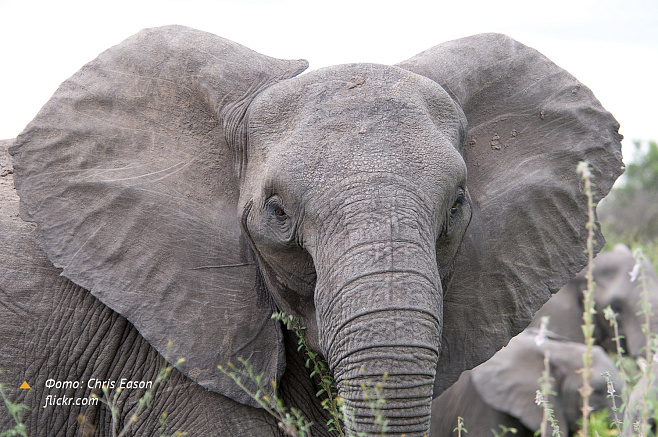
x: 530, y: 123
x: 131, y: 172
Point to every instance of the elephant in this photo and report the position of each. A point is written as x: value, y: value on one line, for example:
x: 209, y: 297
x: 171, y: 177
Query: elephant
x: 646, y: 387
x: 615, y: 288
x: 502, y: 390
x: 180, y: 188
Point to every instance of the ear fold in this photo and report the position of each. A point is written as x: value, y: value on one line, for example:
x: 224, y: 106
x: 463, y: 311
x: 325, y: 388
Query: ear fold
x: 131, y: 173
x: 529, y: 125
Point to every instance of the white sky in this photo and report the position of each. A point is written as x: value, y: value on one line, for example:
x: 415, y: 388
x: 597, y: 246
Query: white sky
x: 610, y: 46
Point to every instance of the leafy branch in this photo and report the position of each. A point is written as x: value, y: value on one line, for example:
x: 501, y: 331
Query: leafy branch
x: 588, y: 297
x: 319, y: 370
x: 16, y: 413
x: 291, y: 421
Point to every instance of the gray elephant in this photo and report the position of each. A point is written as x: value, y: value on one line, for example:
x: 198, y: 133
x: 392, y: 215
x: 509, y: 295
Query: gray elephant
x: 615, y: 288
x: 642, y: 401
x: 502, y: 390
x: 183, y: 187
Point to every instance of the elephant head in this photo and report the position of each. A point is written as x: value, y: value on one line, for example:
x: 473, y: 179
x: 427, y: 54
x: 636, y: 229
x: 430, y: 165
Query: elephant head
x: 413, y: 216
x: 614, y: 288
x: 502, y: 390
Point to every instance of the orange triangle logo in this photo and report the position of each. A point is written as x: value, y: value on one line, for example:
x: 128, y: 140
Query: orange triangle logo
x: 25, y: 385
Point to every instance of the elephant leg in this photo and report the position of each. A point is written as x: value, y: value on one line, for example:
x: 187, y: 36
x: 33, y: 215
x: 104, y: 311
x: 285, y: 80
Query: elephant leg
x: 64, y: 335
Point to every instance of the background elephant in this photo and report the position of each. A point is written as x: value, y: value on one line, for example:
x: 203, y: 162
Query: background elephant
x: 614, y: 288
x: 502, y: 390
x: 183, y: 187
x: 645, y: 387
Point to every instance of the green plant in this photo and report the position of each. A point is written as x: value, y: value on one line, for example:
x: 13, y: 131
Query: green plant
x: 620, y: 364
x: 599, y: 424
x: 319, y: 371
x: 374, y: 397
x: 630, y: 370
x: 503, y: 431
x: 16, y: 412
x: 545, y: 384
x: 460, y: 427
x: 616, y: 410
x: 639, y: 273
x: 290, y: 420
x: 163, y: 428
x: 588, y: 296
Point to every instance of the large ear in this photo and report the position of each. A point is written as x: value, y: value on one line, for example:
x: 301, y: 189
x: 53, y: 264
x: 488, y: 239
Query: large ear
x: 509, y: 381
x: 131, y: 173
x: 529, y: 125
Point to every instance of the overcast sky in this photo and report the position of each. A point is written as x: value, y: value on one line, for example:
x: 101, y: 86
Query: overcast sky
x: 610, y: 46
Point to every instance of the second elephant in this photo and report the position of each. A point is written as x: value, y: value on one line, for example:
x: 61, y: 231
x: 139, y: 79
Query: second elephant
x: 614, y: 287
x: 502, y: 391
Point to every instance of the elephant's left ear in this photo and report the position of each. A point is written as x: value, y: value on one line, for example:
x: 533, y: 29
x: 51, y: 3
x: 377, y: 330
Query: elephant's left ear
x: 529, y: 125
x: 131, y: 172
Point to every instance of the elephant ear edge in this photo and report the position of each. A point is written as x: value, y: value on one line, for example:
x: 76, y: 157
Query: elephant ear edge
x: 131, y: 173
x: 529, y: 125
x: 508, y: 382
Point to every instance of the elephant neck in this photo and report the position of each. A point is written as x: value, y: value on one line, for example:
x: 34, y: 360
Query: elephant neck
x: 298, y: 389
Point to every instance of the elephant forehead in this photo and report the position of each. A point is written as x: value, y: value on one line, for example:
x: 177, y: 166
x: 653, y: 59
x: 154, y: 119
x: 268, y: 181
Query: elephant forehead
x: 359, y: 118
x: 353, y: 98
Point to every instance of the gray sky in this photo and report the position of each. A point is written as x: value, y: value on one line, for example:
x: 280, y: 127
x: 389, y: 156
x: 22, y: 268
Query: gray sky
x: 610, y: 46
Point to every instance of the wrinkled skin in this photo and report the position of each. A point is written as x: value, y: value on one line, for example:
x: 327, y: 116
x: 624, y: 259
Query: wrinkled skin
x: 614, y: 288
x: 189, y: 187
x: 502, y: 390
x: 386, y: 203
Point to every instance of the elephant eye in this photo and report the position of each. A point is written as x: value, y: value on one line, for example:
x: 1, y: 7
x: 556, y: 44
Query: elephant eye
x: 279, y: 212
x: 457, y: 213
x: 459, y: 201
x: 273, y: 204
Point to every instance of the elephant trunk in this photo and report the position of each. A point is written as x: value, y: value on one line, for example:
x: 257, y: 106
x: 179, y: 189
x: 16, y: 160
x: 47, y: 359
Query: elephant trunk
x: 398, y: 369
x: 385, y: 345
x: 379, y: 307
